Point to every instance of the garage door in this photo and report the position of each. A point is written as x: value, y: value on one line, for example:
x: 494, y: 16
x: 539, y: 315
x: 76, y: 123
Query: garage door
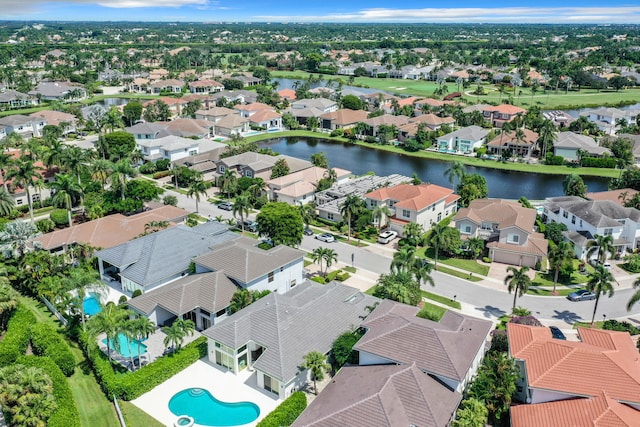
x: 506, y: 257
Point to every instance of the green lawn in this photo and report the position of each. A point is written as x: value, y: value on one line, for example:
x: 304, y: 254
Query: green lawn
x: 577, y: 278
x: 432, y: 308
x: 134, y: 417
x: 596, y: 325
x: 442, y: 300
x: 469, y: 265
x: 544, y: 292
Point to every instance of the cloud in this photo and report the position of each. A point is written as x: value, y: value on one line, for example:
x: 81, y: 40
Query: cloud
x: 20, y: 7
x: 601, y: 15
x: 118, y: 4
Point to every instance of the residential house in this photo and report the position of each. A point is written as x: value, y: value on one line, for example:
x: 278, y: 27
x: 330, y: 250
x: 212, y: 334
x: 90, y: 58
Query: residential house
x: 236, y: 96
x: 166, y: 86
x: 14, y: 99
x: 67, y: 122
x: 230, y: 125
x: 510, y: 141
x: 247, y: 80
x: 322, y: 104
x: 272, y: 335
x: 569, y: 145
x: 424, y: 204
x: 385, y: 120
x: 248, y: 110
x: 256, y: 165
x: 607, y: 118
x: 450, y: 350
x: 190, y: 128
x: 202, y: 298
x: 205, y: 86
x: 343, y: 118
x: 110, y: 230
x: 561, y: 119
x: 616, y: 196
x: 635, y: 141
x: 587, y: 218
x: 93, y: 113
x: 169, y: 147
x: 287, y: 94
x: 503, y: 113
x: 25, y: 126
x: 154, y: 260
x: 148, y: 130
x: 215, y: 114
x: 205, y: 161
x: 58, y: 91
x: 432, y: 121
x: 463, y: 140
x: 278, y: 269
x: 176, y: 105
x: 19, y: 194
x: 381, y: 395
x: 550, y: 383
x: 296, y: 188
x: 507, y: 227
x: 266, y: 119
x: 139, y: 85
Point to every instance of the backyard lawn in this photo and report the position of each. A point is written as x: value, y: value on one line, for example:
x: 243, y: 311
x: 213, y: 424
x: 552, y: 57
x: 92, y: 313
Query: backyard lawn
x: 470, y: 265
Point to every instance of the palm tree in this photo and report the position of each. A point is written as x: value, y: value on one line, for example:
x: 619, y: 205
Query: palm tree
x: 634, y: 298
x: 258, y: 188
x: 241, y: 207
x: 174, y: 336
x: 5, y: 161
x: 25, y: 174
x: 307, y: 212
x: 518, y: 282
x: 380, y: 214
x: 240, y: 299
x: 108, y: 321
x: 600, y: 281
x: 316, y: 363
x: 66, y: 193
x: 601, y: 246
x: 81, y: 279
x: 16, y: 237
x: 120, y: 173
x: 128, y: 328
x: 455, y: 171
x: 143, y: 327
x: 476, y: 246
x: 75, y: 160
x: 196, y: 189
x: 546, y: 137
x: 330, y: 256
x: 349, y: 208
x: 100, y: 170
x: 413, y: 233
x: 405, y: 261
x: 227, y: 182
x: 6, y: 202
x: 559, y: 256
x: 436, y: 239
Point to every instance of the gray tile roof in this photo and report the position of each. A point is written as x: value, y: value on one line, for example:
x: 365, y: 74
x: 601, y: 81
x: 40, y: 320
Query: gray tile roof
x: 469, y: 133
x: 599, y: 213
x: 15, y: 120
x: 146, y: 128
x: 152, y: 258
x: 381, y: 396
x: 244, y: 262
x: 581, y: 142
x: 209, y: 291
x: 446, y: 348
x: 307, y: 318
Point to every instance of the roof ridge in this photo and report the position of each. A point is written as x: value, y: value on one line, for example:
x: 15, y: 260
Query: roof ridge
x: 278, y: 339
x: 558, y: 361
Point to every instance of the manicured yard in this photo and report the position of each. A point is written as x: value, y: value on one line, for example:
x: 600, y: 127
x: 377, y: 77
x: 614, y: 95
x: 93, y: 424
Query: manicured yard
x: 577, y: 278
x: 470, y: 265
x: 135, y: 417
x: 459, y: 274
x: 546, y: 292
x: 442, y: 300
x: 596, y: 325
x: 433, y: 309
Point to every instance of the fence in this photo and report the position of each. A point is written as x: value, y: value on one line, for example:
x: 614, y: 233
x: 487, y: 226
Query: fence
x: 120, y: 417
x: 55, y: 312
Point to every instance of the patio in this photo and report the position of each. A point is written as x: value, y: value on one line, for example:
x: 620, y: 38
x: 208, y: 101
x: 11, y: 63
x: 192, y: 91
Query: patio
x: 223, y: 385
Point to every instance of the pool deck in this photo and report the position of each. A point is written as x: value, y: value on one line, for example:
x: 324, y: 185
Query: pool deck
x: 223, y: 385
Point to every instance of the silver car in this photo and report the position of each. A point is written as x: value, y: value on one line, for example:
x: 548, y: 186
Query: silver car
x: 326, y: 237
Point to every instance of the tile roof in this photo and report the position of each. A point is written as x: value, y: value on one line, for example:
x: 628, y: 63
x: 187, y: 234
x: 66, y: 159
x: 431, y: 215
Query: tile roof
x: 209, y: 291
x: 387, y: 119
x: 297, y: 189
x: 231, y: 121
x: 530, y: 138
x: 54, y: 117
x: 110, y: 230
x: 506, y: 109
x: 581, y: 142
x: 381, y: 396
x: 615, y: 196
x: 536, y: 244
x: 309, y: 316
x: 504, y: 212
x: 599, y: 213
x: 446, y: 348
x: 413, y: 197
x: 244, y: 262
x: 345, y: 116
x: 156, y: 257
x: 205, y: 83
x: 254, y: 106
x: 607, y: 361
x: 471, y: 133
x: 597, y: 411
x: 432, y: 120
x: 264, y: 115
x: 312, y: 175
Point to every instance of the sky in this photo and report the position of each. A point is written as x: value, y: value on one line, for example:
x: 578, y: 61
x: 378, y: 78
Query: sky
x: 344, y: 11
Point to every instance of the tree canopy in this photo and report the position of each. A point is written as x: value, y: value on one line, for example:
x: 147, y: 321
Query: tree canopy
x: 280, y: 222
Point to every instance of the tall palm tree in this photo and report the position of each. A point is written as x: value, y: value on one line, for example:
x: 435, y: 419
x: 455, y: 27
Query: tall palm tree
x: 307, y: 212
x: 240, y: 299
x: 6, y: 202
x: 16, y: 237
x: 349, y: 208
x: 100, y: 170
x: 196, y: 189
x: 24, y: 173
x: 227, y: 182
x: 258, y: 188
x: 316, y: 363
x: 67, y: 193
x: 436, y: 238
x: 413, y: 234
x: 455, y: 171
x: 405, y: 261
x: 518, y: 282
x: 600, y: 281
x: 5, y: 161
x: 108, y: 321
x: 82, y: 279
x: 380, y: 214
x: 546, y: 136
x: 120, y: 174
x: 241, y: 207
x: 601, y: 246
x: 559, y: 256
x: 636, y: 296
x: 329, y: 256
x: 129, y: 330
x: 75, y: 160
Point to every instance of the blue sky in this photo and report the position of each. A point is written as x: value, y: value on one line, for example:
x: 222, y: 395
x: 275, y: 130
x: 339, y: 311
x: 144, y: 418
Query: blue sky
x: 518, y: 11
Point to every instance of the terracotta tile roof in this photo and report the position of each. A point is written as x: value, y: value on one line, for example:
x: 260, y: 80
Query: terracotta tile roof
x: 205, y: 83
x: 381, y: 396
x: 386, y: 119
x: 506, y: 109
x: 510, y: 138
x: 504, y: 212
x: 254, y: 106
x: 432, y: 120
x: 607, y: 361
x: 536, y: 244
x: 289, y: 94
x: 111, y: 230
x: 312, y: 175
x: 345, y: 116
x: 612, y: 195
x: 264, y: 115
x: 413, y: 197
x: 297, y: 189
x: 597, y: 411
x: 407, y: 101
x: 55, y: 117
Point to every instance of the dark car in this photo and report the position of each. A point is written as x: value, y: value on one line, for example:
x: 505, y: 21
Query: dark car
x: 227, y: 206
x: 581, y: 295
x: 557, y: 333
x: 308, y: 232
x: 248, y: 225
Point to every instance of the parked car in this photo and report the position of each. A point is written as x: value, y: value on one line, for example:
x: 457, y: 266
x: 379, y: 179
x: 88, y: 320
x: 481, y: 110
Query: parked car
x: 308, y: 232
x: 581, y: 295
x: 227, y: 206
x: 326, y: 237
x: 557, y: 333
x: 607, y: 265
x: 387, y: 236
x: 248, y: 225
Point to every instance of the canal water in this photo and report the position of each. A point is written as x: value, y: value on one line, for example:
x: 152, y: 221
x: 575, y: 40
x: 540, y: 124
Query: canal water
x: 360, y: 160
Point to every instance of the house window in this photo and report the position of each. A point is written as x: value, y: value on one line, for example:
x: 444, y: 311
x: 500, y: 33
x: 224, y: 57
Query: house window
x: 270, y: 277
x: 205, y: 312
x: 439, y: 216
x: 330, y: 216
x: 222, y: 169
x: 193, y: 152
x: 248, y: 173
x: 608, y: 231
x: 466, y: 229
x: 406, y: 213
x: 221, y: 313
x: 580, y: 223
x: 19, y: 201
x: 513, y: 238
x: 271, y: 384
x: 565, y: 214
x: 573, y: 219
x: 243, y: 348
x: 293, y: 283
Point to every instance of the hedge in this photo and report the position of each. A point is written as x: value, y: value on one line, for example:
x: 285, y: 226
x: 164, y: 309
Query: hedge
x: 161, y: 174
x: 16, y: 339
x: 598, y: 162
x: 47, y: 342
x: 287, y: 412
x: 131, y: 385
x: 60, y: 217
x: 66, y: 415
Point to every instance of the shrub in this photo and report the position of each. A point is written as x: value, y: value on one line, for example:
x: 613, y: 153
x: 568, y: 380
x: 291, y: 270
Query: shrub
x: 287, y: 412
x: 47, y: 342
x: 499, y: 341
x: 170, y: 200
x: 162, y: 164
x: 136, y: 293
x: 550, y: 159
x: 161, y: 174
x: 60, y: 217
x: 66, y: 415
x: 430, y: 314
x: 318, y: 279
x: 45, y: 225
x: 525, y: 320
x: 16, y: 340
x: 486, y: 259
x: 614, y: 325
x: 132, y: 385
x: 337, y: 132
x: 598, y: 162
x: 148, y: 167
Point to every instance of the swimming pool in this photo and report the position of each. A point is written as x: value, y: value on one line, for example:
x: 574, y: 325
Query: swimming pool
x: 206, y: 410
x: 91, y: 305
x: 124, y: 346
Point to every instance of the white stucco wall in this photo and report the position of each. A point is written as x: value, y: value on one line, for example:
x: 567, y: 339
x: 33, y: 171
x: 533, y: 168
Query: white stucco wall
x: 366, y: 358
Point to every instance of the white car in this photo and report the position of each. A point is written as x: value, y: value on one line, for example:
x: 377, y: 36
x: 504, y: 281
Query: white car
x: 326, y: 237
x: 387, y: 236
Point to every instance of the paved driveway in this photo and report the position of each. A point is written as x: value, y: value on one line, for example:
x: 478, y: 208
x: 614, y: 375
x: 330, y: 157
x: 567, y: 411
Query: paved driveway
x: 498, y: 271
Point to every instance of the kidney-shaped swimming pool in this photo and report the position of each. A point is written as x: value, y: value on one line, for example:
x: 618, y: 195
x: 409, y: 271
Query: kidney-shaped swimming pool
x: 206, y: 410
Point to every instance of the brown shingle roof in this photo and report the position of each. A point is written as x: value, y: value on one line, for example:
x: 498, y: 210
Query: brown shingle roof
x: 414, y: 197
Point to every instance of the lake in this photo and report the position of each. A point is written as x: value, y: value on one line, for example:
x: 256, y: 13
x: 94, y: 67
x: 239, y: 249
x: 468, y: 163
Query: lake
x: 360, y: 160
